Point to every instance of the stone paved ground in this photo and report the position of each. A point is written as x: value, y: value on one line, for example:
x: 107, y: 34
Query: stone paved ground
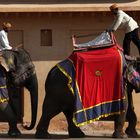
x: 60, y: 126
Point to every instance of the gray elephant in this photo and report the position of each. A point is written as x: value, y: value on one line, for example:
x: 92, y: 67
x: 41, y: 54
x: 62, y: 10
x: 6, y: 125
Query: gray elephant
x: 21, y: 74
x: 60, y: 98
x: 133, y: 76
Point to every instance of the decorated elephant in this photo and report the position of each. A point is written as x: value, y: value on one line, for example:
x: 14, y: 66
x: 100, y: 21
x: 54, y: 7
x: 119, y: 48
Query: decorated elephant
x: 86, y: 86
x: 133, y: 83
x: 21, y: 73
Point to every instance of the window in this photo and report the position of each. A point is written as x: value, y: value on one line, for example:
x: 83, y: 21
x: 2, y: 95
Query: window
x: 46, y: 37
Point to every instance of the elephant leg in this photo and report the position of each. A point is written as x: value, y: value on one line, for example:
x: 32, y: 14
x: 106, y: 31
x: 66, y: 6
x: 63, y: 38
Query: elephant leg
x: 119, y: 121
x: 74, y: 131
x: 11, y: 118
x: 50, y: 109
x: 131, y: 115
x: 6, y: 107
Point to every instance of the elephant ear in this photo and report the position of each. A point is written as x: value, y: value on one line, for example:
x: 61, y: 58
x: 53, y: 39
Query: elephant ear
x: 9, y: 59
x: 4, y: 64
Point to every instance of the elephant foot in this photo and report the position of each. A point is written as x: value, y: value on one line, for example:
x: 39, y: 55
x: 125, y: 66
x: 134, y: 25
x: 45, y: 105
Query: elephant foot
x: 119, y: 135
x: 131, y: 133
x: 75, y: 132
x: 42, y: 134
x: 14, y: 133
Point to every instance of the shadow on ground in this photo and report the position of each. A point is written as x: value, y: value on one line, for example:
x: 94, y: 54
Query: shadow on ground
x: 54, y: 136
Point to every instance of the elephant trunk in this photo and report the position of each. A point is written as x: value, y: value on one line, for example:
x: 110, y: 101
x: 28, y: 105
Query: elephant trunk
x: 33, y: 88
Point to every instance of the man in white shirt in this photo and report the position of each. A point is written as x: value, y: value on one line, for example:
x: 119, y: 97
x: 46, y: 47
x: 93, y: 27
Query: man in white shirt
x: 4, y: 42
x: 131, y: 34
x: 129, y: 25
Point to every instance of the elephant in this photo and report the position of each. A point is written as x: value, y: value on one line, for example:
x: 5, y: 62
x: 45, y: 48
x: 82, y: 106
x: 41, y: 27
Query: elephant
x: 59, y: 98
x: 133, y: 83
x: 21, y: 73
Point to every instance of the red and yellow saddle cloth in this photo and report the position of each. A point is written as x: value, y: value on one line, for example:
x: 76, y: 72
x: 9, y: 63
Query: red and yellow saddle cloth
x: 96, y: 81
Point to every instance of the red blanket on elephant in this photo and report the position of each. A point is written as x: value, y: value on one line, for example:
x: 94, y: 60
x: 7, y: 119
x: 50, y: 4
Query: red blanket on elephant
x: 96, y: 81
x: 98, y: 75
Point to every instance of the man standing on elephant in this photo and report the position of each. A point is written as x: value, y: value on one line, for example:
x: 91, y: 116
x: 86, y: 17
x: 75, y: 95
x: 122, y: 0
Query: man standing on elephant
x: 4, y: 42
x: 131, y: 29
x: 128, y: 24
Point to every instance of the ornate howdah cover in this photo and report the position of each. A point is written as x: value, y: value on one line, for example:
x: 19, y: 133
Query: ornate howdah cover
x: 96, y: 81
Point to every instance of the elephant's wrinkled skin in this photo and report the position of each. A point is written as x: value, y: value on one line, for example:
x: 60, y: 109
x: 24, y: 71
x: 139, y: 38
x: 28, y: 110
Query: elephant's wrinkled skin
x: 58, y: 99
x: 21, y: 74
x: 133, y: 76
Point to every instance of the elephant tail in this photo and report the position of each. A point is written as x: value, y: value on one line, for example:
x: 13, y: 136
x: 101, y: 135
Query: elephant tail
x: 30, y: 127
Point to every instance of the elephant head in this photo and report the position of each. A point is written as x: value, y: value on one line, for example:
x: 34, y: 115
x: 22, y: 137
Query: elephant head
x: 21, y: 73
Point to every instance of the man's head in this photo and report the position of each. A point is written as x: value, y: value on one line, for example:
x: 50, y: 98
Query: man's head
x: 6, y: 26
x: 114, y: 8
